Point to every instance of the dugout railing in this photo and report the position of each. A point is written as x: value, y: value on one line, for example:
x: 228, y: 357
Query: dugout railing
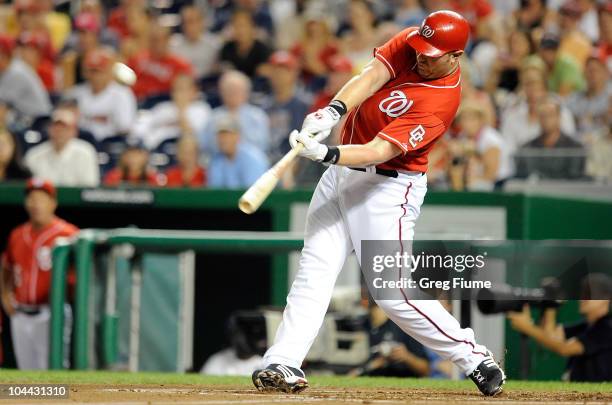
x: 141, y: 241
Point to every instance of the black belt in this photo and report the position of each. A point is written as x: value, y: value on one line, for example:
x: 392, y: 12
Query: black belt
x: 28, y: 310
x: 382, y: 172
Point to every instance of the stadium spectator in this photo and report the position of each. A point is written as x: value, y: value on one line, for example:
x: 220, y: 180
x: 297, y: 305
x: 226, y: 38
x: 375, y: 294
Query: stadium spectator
x: 137, y: 38
x: 133, y: 168
x: 532, y: 14
x: 243, y: 356
x: 119, y: 17
x: 20, y: 85
x: 590, y: 107
x: 564, y: 75
x: 195, y: 44
x: 477, y: 12
x: 480, y: 157
x: 409, y: 13
x: 588, y: 344
x: 57, y: 24
x: 89, y: 35
x: 11, y: 165
x: 72, y: 104
x: 574, y: 44
x: 316, y: 47
x: 26, y: 276
x: 472, y: 94
x: 552, y: 154
x: 35, y: 50
x: 96, y: 18
x: 258, y: 9
x: 589, y: 23
x: 185, y: 114
x: 393, y: 353
x: 235, y: 90
x: 107, y: 108
x: 486, y: 50
x: 286, y: 108
x: 599, y: 164
x: 520, y: 122
x: 236, y: 164
x: 5, y: 115
x: 505, y: 70
x: 604, y: 45
x: 28, y: 17
x: 359, y: 36
x: 340, y: 72
x: 244, y: 52
x: 188, y: 172
x: 157, y: 67
x: 64, y: 159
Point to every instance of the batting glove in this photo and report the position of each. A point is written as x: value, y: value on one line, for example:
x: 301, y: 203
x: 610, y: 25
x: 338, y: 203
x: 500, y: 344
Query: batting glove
x: 322, y: 121
x: 313, y: 149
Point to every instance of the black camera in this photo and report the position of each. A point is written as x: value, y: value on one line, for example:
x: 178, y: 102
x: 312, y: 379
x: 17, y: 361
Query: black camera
x: 506, y: 298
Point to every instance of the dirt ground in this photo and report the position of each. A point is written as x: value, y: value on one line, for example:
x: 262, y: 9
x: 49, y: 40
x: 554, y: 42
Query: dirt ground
x: 164, y: 394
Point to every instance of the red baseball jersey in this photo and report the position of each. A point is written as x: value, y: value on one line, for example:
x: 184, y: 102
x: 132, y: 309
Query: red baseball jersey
x: 155, y: 75
x: 28, y: 257
x: 409, y: 111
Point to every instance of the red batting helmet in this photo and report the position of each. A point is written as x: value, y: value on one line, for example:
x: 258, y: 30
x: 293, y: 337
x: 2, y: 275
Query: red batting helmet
x: 441, y: 32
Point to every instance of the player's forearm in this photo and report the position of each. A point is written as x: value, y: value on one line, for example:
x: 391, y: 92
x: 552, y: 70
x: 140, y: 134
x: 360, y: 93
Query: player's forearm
x: 372, y: 153
x: 359, y: 156
x: 362, y: 86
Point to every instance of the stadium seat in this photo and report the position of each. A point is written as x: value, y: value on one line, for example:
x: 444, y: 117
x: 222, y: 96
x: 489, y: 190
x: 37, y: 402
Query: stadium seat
x: 109, y: 152
x: 164, y: 155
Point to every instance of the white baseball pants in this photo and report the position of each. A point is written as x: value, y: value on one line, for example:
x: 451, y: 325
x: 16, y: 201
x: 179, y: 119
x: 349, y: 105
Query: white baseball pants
x: 30, y: 335
x: 349, y: 206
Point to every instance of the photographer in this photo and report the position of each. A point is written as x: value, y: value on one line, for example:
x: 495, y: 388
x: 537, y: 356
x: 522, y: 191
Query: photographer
x: 588, y: 344
x: 393, y: 352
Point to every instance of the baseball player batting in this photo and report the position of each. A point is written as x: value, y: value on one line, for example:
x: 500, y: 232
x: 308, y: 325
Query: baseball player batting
x: 402, y: 102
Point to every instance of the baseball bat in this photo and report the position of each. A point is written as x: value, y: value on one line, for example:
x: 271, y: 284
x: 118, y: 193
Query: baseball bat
x: 252, y: 199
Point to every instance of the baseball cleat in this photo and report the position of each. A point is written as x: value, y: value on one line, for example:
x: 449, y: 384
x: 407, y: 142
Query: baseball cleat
x: 488, y: 376
x: 278, y: 377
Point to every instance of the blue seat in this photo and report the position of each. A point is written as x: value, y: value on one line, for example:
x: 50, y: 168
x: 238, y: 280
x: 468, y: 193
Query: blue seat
x: 164, y: 155
x: 152, y: 101
x: 110, y: 149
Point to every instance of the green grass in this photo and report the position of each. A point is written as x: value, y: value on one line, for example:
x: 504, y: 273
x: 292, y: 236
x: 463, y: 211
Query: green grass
x: 116, y: 378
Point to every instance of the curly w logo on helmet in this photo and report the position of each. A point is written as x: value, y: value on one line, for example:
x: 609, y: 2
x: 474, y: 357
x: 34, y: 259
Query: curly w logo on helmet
x: 427, y: 31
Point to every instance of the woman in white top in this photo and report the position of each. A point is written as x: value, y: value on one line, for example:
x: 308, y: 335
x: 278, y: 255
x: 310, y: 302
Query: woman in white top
x: 480, y: 151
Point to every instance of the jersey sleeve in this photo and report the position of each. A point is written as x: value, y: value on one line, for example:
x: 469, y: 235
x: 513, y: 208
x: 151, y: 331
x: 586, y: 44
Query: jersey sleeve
x: 395, y: 53
x: 7, y: 261
x: 413, y: 131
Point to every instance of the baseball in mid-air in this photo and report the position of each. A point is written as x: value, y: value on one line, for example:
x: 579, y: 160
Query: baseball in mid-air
x: 124, y: 74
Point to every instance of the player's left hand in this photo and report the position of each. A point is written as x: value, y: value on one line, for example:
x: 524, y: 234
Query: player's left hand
x: 321, y: 122
x: 313, y: 149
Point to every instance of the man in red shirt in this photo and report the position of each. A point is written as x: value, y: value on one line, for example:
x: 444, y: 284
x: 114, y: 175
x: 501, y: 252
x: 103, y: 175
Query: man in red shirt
x: 401, y: 103
x: 156, y: 68
x: 26, y: 275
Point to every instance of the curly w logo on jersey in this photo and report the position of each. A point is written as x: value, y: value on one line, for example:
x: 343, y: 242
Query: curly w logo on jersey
x: 396, y: 104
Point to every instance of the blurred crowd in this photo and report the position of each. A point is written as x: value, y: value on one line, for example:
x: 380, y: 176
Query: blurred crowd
x: 221, y: 83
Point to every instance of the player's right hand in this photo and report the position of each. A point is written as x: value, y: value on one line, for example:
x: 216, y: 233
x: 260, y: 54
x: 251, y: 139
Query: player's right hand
x: 320, y: 122
x: 312, y: 150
